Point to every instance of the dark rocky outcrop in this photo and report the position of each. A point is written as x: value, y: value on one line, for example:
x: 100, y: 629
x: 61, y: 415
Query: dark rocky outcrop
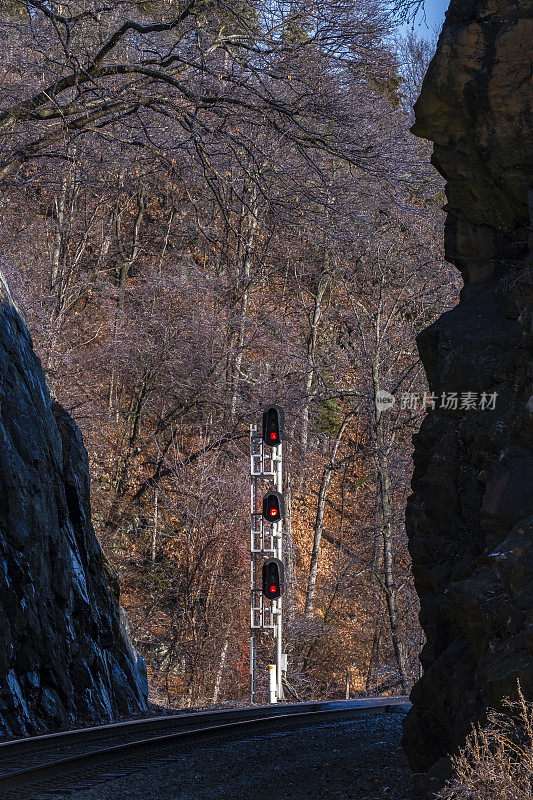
x: 470, y: 517
x: 64, y: 650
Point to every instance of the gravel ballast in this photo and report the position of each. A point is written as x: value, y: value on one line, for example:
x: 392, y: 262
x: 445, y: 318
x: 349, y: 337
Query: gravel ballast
x: 360, y: 759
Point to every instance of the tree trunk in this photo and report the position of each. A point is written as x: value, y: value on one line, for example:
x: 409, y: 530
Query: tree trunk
x: 154, y: 531
x: 385, y: 503
x: 56, y: 271
x: 126, y: 263
x: 319, y: 522
x: 373, y: 661
x: 246, y: 260
x: 220, y: 672
x: 314, y: 322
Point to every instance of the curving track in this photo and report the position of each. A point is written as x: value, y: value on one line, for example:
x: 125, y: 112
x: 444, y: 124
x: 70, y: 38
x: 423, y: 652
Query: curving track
x: 34, y: 767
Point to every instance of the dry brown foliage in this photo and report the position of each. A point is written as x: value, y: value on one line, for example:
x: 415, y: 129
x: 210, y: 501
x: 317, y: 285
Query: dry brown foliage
x: 496, y: 762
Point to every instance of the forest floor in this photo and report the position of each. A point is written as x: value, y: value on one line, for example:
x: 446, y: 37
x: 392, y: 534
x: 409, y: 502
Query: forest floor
x: 356, y: 760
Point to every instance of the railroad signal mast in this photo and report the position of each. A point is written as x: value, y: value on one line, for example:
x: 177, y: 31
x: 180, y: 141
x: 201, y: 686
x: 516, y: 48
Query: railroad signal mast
x: 266, y: 545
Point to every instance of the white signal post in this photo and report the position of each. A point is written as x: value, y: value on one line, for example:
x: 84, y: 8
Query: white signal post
x: 266, y: 540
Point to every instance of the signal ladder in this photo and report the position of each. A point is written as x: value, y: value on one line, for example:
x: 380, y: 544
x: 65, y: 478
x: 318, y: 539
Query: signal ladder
x: 266, y: 540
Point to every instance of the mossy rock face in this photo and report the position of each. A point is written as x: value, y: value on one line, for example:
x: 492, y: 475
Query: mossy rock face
x: 470, y: 517
x: 65, y: 655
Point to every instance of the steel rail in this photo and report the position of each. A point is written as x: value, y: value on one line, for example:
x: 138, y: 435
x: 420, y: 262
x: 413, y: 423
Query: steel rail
x: 28, y: 776
x: 29, y: 743
x: 32, y: 744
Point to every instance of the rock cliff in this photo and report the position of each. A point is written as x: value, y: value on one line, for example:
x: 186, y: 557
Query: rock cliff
x: 65, y: 656
x: 470, y: 517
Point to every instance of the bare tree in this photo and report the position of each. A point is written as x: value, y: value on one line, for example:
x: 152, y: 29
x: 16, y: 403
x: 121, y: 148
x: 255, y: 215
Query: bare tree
x: 202, y: 209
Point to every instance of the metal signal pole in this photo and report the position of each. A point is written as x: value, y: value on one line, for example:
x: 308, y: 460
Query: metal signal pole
x: 266, y: 540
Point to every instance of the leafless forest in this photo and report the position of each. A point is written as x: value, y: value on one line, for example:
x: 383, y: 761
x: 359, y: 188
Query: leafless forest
x: 207, y: 207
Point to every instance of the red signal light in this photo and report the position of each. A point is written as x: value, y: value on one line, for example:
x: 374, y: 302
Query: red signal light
x: 273, y: 419
x: 273, y: 506
x: 272, y: 578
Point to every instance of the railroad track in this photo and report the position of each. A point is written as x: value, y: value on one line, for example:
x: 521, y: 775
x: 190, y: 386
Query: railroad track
x: 41, y: 766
